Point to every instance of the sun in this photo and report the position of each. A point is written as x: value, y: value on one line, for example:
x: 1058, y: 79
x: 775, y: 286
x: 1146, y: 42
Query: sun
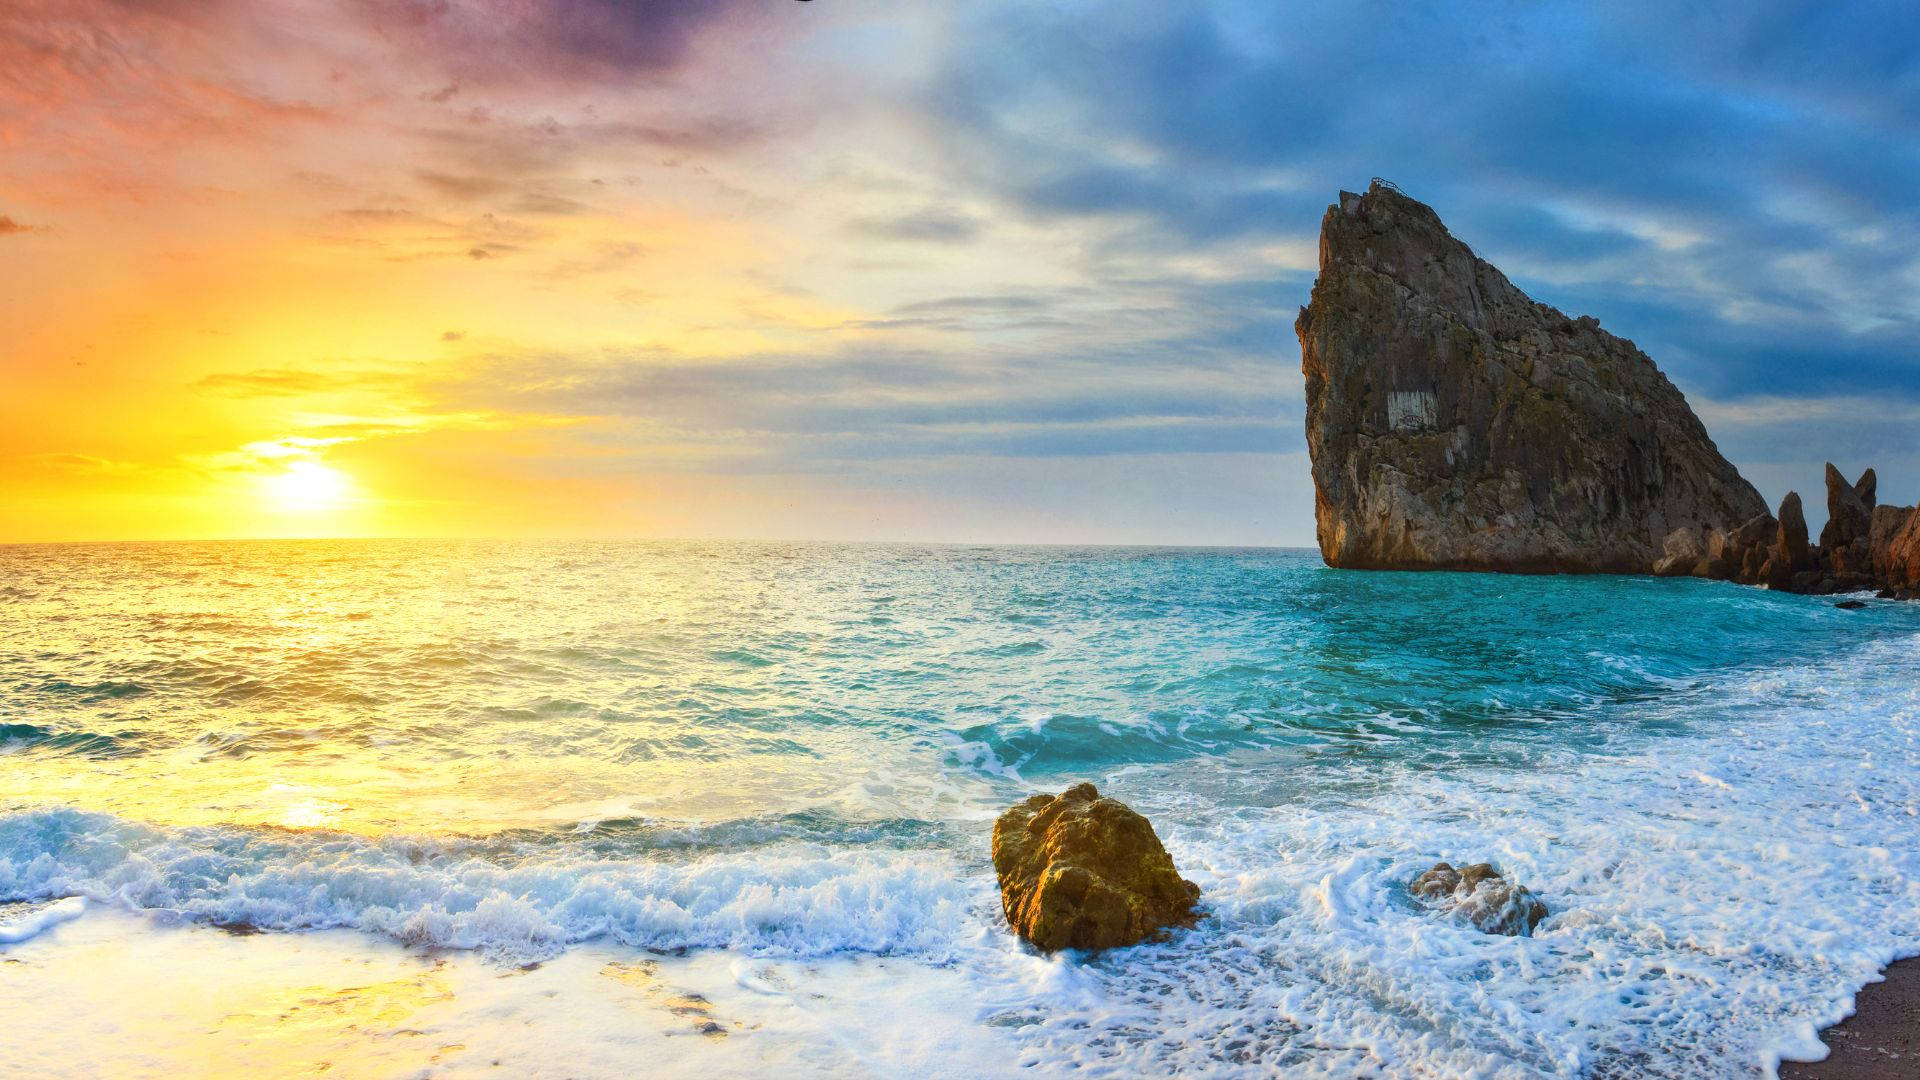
x: 307, y: 486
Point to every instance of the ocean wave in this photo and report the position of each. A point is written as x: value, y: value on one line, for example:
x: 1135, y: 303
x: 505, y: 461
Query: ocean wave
x: 105, y: 690
x: 504, y: 896
x: 33, y: 919
x: 48, y: 738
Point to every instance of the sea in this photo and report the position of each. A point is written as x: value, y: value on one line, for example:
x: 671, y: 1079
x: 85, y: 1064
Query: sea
x: 425, y: 808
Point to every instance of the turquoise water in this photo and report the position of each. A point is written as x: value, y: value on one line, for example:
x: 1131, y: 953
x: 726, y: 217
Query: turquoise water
x: 797, y: 751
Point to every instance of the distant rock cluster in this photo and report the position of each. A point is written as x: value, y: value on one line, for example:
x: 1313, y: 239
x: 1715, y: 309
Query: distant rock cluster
x: 1863, y: 546
x: 1456, y: 424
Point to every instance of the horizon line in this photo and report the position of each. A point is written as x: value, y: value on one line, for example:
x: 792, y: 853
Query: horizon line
x: 655, y: 540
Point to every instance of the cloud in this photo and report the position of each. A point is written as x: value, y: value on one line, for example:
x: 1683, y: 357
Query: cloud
x: 604, y: 258
x: 974, y: 314
x: 291, y: 382
x: 939, y: 225
x: 83, y: 82
x: 1735, y: 197
x: 552, y: 40
x: 860, y: 405
x: 83, y: 464
x: 10, y: 227
x: 460, y: 187
x: 540, y: 202
x: 998, y: 304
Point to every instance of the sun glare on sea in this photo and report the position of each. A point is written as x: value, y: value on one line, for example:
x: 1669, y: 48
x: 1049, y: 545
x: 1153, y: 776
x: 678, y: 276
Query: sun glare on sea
x: 306, y: 486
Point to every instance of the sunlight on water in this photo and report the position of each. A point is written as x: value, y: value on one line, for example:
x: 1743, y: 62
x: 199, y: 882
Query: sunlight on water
x: 471, y: 687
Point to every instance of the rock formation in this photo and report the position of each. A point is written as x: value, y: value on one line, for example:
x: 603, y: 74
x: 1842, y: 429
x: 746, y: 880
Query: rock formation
x: 1893, y: 547
x: 1482, y: 896
x: 1863, y: 546
x: 1849, y: 516
x: 1456, y: 424
x: 1790, y: 539
x: 1079, y: 871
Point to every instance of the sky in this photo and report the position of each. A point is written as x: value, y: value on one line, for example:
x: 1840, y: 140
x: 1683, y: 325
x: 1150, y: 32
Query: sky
x: 983, y: 272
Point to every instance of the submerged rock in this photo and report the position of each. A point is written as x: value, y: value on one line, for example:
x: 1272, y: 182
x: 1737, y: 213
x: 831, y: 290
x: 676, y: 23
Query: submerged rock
x: 1851, y: 605
x: 1080, y: 871
x: 1454, y: 423
x: 1482, y: 896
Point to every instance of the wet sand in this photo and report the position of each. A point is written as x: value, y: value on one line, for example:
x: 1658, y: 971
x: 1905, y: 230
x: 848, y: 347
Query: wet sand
x: 1880, y: 1041
x: 129, y: 996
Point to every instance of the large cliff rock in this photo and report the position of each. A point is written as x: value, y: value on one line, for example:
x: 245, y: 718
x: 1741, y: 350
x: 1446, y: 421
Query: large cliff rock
x: 1454, y: 423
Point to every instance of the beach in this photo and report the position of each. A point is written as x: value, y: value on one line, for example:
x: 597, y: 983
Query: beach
x: 1877, y: 1042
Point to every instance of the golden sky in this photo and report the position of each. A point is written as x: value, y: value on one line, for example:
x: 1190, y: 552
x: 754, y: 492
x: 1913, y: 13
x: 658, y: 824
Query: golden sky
x: 313, y: 269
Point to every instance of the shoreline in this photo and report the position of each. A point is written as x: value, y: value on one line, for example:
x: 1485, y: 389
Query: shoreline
x: 1880, y: 1041
x: 138, y: 994
x: 319, y: 1000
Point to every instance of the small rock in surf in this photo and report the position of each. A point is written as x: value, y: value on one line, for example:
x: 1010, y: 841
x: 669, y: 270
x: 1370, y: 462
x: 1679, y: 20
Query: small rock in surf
x: 1080, y: 871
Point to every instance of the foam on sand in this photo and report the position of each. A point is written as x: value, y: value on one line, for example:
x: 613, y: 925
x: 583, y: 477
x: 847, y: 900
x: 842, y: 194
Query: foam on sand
x: 123, y: 995
x: 35, y: 919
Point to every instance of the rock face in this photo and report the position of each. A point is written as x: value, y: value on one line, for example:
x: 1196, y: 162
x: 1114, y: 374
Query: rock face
x: 1863, y: 546
x: 1894, y: 544
x: 1790, y: 543
x: 1079, y: 871
x: 1454, y: 423
x: 1849, y: 515
x: 1482, y: 896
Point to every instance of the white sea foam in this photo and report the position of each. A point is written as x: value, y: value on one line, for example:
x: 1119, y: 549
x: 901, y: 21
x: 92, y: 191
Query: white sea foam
x: 32, y: 923
x: 788, y: 900
x: 1697, y: 929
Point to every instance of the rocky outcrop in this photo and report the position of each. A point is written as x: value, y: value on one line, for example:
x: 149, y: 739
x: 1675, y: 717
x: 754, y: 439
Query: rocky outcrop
x: 1079, y: 871
x: 1454, y: 423
x: 1894, y: 550
x: 1790, y: 540
x: 1849, y: 515
x: 1893, y: 546
x: 1863, y: 546
x: 1482, y: 896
